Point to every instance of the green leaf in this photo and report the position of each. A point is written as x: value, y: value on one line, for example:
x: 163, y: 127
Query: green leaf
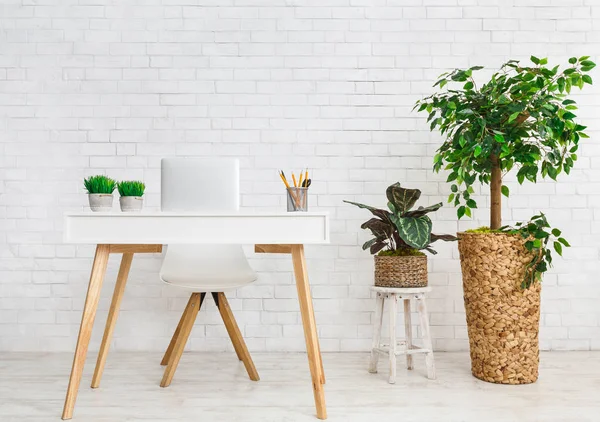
x: 556, y: 232
x: 513, y: 116
x: 505, y: 190
x: 573, y: 60
x: 564, y: 242
x: 468, y: 85
x: 499, y: 138
x: 415, y: 232
x: 369, y: 243
x: 558, y: 248
x: 471, y: 203
x: 460, y: 212
x: 587, y: 79
x: 402, y: 199
x: 535, y: 60
x: 422, y: 210
x: 477, y: 151
x: 569, y: 116
x: 383, y: 214
x: 379, y: 228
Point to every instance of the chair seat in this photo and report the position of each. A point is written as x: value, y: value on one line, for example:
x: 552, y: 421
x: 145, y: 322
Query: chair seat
x: 202, y: 268
x: 209, y: 286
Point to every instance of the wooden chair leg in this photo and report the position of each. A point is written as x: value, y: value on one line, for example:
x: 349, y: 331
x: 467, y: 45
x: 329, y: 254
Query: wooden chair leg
x: 113, y: 314
x: 169, y: 351
x: 408, y: 333
x: 235, y: 335
x: 376, y: 334
x: 85, y: 329
x: 186, y: 328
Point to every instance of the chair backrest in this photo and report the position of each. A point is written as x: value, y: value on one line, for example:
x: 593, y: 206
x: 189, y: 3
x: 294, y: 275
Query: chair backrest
x: 203, y: 185
x: 200, y: 184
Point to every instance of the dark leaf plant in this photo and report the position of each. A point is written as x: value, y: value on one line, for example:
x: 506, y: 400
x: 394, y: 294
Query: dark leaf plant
x: 520, y: 119
x: 401, y: 228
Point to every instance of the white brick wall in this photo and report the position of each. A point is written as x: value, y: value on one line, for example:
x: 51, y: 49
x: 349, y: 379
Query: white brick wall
x: 100, y: 86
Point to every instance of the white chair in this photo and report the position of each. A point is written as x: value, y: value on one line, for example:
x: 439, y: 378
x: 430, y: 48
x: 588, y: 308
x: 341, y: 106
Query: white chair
x: 203, y: 185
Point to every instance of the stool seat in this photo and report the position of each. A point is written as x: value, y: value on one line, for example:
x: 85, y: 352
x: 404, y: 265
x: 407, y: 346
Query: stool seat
x: 404, y: 347
x: 401, y: 290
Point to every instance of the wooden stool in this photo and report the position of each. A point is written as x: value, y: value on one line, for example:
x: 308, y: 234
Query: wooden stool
x: 405, y: 347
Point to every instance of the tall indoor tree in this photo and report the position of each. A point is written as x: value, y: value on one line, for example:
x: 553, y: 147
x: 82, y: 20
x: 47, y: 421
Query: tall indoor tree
x: 521, y: 119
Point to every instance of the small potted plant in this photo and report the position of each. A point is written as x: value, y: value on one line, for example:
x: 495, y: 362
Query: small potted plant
x: 100, y: 192
x: 400, y: 235
x: 131, y: 192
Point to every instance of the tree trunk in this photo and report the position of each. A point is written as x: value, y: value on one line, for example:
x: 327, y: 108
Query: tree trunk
x: 496, y: 194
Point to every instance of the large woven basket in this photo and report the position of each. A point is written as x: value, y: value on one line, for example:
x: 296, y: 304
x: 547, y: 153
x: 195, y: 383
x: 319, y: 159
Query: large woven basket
x: 502, y: 318
x: 400, y: 271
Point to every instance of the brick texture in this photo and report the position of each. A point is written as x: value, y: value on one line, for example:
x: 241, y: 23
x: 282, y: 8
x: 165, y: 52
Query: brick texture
x: 100, y: 86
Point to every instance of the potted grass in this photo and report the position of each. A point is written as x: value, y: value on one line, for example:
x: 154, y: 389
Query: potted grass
x: 100, y: 190
x: 400, y: 236
x: 521, y: 119
x: 132, y: 192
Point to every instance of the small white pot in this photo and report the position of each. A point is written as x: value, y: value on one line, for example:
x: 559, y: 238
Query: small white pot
x: 101, y: 202
x: 131, y: 203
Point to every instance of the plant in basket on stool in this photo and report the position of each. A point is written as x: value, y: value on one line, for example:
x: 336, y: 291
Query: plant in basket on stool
x: 519, y: 118
x: 400, y: 235
x: 100, y: 192
x: 131, y: 192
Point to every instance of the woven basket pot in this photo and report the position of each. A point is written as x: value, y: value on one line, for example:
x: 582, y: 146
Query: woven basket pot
x: 502, y: 318
x: 400, y: 271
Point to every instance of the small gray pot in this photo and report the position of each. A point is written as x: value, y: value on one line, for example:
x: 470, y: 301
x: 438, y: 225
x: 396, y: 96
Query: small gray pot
x: 101, y: 202
x: 131, y: 203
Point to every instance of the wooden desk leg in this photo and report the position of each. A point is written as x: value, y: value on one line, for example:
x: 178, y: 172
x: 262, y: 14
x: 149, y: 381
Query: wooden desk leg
x: 310, y: 329
x: 113, y: 314
x: 85, y: 329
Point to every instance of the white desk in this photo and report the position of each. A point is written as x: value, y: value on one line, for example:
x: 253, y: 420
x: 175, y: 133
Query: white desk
x: 133, y: 233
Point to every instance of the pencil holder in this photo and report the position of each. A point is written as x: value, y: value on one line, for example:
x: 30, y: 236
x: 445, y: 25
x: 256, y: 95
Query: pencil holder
x: 297, y: 199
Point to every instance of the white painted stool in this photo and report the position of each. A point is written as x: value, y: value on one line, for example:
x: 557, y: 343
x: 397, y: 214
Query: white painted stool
x: 405, y: 347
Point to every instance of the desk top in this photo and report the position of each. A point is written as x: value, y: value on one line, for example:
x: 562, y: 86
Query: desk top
x: 196, y: 228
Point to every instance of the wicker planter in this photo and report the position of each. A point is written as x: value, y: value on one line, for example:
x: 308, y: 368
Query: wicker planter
x: 400, y: 271
x: 502, y: 319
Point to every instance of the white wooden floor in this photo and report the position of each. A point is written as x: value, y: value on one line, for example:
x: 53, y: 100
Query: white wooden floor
x: 214, y: 387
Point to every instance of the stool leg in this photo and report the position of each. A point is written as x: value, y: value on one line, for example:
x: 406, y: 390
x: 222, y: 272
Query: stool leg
x: 376, y: 333
x: 393, y: 301
x: 408, y: 333
x: 423, y: 316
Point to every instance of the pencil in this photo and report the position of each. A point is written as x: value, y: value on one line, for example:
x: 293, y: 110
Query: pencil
x: 287, y: 185
x: 294, y: 179
x: 306, y: 178
x: 300, y: 180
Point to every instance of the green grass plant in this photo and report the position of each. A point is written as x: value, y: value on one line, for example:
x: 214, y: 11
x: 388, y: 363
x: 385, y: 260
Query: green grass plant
x: 99, y: 184
x: 131, y: 188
